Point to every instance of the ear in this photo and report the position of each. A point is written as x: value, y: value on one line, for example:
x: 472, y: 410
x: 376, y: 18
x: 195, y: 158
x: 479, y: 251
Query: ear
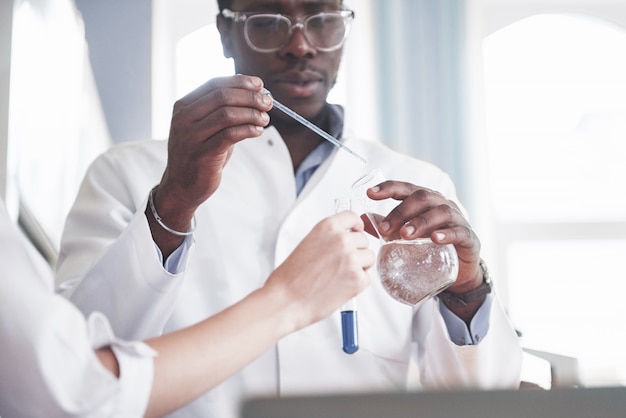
x: 225, y: 27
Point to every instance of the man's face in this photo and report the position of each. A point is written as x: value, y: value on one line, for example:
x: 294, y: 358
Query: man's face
x: 298, y: 75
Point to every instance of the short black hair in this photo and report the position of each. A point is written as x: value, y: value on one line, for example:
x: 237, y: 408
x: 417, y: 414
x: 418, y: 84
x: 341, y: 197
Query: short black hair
x: 228, y: 4
x: 224, y: 4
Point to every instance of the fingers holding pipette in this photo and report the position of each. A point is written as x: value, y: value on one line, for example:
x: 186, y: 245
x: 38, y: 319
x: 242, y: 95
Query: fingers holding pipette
x: 206, y: 124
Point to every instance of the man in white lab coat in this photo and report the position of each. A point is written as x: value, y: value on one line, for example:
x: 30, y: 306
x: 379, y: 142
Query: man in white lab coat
x: 155, y: 226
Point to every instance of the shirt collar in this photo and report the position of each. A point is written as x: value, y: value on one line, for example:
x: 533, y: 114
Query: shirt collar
x: 323, y: 150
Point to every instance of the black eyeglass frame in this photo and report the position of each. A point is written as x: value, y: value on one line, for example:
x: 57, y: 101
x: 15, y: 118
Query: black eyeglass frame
x: 243, y: 17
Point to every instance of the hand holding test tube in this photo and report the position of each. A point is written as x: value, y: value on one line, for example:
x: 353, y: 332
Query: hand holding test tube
x: 349, y: 321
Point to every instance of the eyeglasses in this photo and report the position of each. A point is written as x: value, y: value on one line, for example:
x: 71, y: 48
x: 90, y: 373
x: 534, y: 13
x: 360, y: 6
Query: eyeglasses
x: 270, y: 32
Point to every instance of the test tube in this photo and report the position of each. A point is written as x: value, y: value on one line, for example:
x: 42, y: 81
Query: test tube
x: 349, y: 318
x: 349, y: 327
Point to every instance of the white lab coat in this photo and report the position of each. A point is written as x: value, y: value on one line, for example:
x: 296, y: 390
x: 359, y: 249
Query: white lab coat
x: 244, y: 231
x: 48, y: 367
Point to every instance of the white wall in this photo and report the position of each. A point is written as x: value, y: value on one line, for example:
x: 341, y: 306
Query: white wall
x: 6, y: 27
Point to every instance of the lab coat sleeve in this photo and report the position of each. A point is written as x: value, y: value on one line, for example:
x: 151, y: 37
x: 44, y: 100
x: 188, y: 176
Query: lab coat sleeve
x: 47, y: 362
x: 493, y: 363
x: 108, y: 261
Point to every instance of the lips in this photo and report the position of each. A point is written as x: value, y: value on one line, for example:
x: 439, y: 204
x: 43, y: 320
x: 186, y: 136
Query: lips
x: 298, y: 85
x: 299, y: 77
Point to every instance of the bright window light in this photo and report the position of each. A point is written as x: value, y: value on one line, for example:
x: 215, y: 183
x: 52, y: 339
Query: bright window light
x: 199, y: 58
x: 556, y: 118
x: 556, y: 125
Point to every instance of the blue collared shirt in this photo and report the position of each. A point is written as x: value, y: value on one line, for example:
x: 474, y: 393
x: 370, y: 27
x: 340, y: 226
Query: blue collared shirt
x: 323, y: 150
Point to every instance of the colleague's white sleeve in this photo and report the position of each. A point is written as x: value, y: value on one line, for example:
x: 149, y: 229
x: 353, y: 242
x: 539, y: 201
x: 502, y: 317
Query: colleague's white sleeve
x: 48, y: 367
x: 136, y: 367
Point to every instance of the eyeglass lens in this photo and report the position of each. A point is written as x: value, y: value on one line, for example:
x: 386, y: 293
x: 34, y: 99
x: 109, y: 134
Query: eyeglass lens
x: 271, y: 32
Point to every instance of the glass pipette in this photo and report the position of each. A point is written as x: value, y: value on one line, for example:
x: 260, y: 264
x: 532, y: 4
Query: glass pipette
x: 349, y: 318
x: 310, y: 125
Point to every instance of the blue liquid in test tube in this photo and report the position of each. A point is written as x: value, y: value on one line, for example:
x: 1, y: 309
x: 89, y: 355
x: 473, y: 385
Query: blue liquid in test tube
x: 349, y: 332
x: 349, y: 327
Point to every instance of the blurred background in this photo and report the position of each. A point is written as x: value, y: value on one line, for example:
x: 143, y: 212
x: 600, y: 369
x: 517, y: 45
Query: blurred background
x: 522, y: 102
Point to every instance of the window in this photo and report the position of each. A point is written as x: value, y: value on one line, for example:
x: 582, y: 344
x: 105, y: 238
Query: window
x: 556, y: 132
x: 199, y: 58
x: 56, y: 124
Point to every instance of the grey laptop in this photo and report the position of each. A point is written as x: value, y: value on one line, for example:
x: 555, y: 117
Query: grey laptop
x: 609, y: 402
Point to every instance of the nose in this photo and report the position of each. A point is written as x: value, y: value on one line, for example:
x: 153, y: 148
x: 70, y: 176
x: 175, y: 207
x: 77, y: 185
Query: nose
x: 298, y: 45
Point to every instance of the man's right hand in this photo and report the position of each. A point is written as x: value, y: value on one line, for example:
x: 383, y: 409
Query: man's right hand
x: 206, y: 124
